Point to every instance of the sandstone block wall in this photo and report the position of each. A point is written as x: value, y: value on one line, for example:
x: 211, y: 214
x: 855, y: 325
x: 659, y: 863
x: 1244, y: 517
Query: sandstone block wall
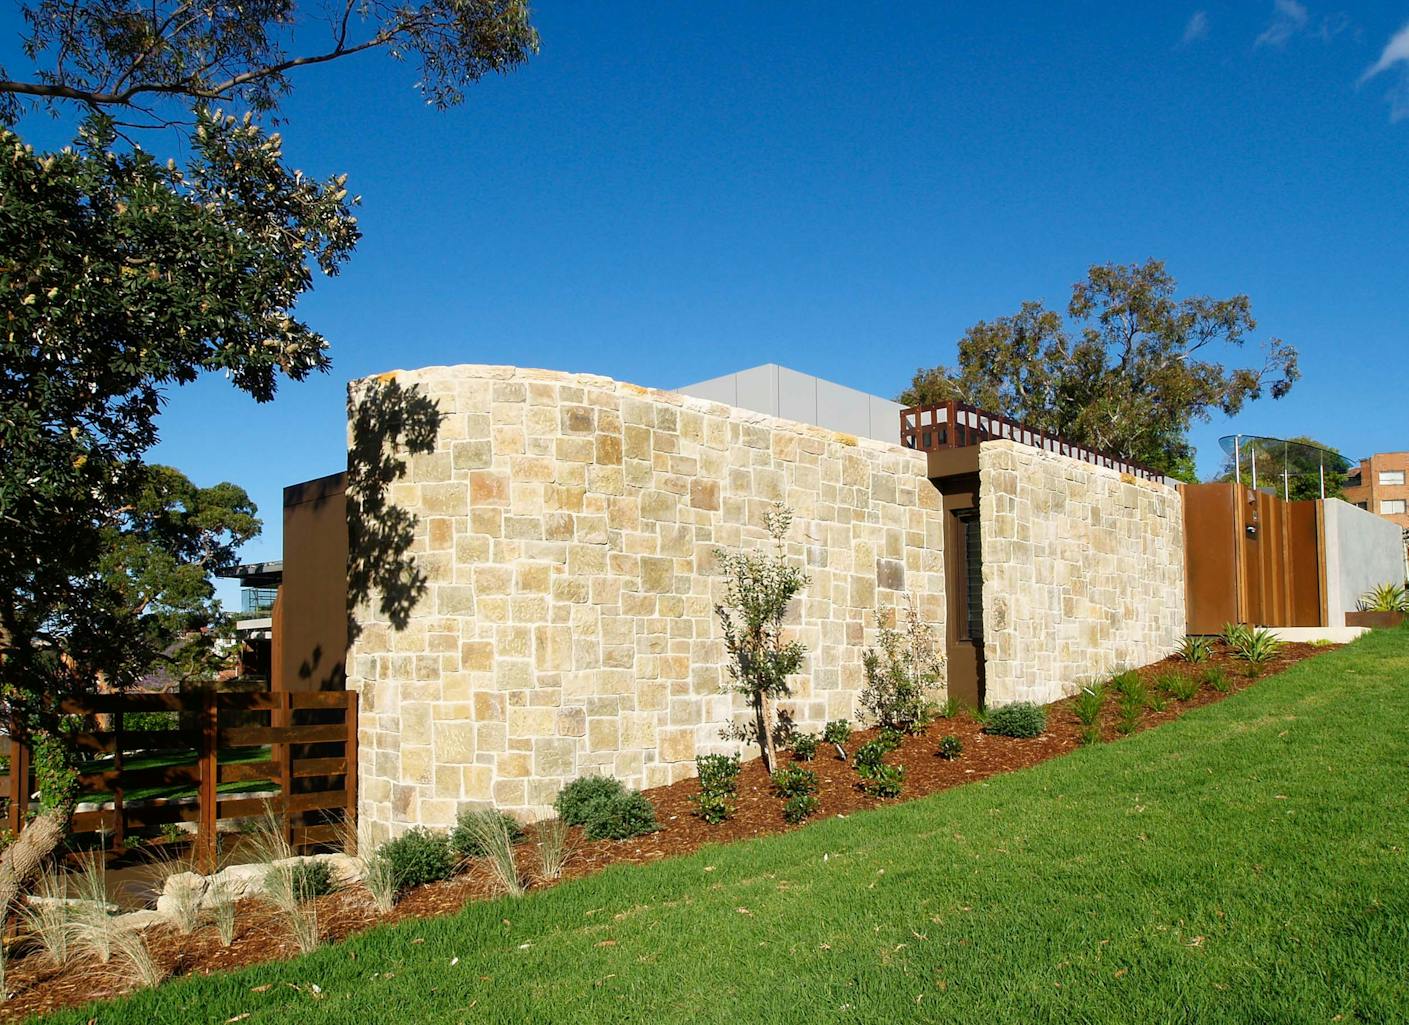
x: 566, y: 526
x: 1083, y: 571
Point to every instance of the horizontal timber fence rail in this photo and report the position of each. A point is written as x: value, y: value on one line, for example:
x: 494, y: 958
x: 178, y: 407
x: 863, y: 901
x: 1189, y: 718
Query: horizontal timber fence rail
x: 957, y: 425
x: 159, y: 769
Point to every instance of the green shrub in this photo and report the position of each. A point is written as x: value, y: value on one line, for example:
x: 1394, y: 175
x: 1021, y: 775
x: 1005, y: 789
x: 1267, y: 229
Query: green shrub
x: 869, y: 756
x: 713, y: 808
x: 619, y: 818
x: 1195, y: 649
x: 1090, y: 735
x: 1218, y: 680
x: 1235, y: 634
x: 1258, y: 647
x: 950, y: 747
x: 1180, y: 687
x: 1130, y: 683
x: 1389, y: 597
x: 794, y: 780
x: 948, y: 708
x: 805, y: 747
x: 719, y: 774
x: 901, y: 673
x: 889, y: 739
x: 418, y: 856
x: 575, y: 800
x: 1020, y: 719
x: 466, y: 841
x: 1088, y: 704
x: 799, y: 807
x: 309, y: 879
x: 884, y: 781
x: 143, y: 722
x: 719, y: 780
x: 1132, y: 708
x: 838, y: 732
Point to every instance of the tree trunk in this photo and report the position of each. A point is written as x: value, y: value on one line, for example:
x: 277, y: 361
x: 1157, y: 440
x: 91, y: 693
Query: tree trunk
x: 765, y: 732
x: 22, y: 860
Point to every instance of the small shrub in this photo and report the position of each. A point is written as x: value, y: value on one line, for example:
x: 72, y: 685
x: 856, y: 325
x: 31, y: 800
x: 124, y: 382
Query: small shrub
x: 1088, y: 704
x: 869, y: 756
x: 805, y: 747
x: 1195, y: 649
x: 490, y: 834
x: 890, y: 739
x: 627, y: 815
x: 950, y: 747
x: 551, y: 838
x: 1020, y: 719
x: 418, y: 856
x: 794, y: 780
x: 884, y: 781
x: 1132, y: 708
x: 48, y: 921
x: 467, y: 839
x: 838, y: 732
x: 130, y: 947
x: 1090, y: 735
x: 1218, y: 680
x: 719, y: 774
x: 379, y: 876
x: 713, y: 808
x: 902, y: 672
x: 1129, y: 683
x: 1258, y: 647
x: 1389, y: 597
x: 719, y: 780
x: 223, y: 911
x: 1235, y: 634
x: 1180, y: 687
x: 1158, y: 702
x: 575, y: 801
x: 799, y: 807
x: 308, y: 879
x: 143, y: 722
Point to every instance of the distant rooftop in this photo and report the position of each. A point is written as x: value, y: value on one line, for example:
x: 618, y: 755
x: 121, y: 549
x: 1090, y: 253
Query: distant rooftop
x: 792, y: 395
x: 257, y: 574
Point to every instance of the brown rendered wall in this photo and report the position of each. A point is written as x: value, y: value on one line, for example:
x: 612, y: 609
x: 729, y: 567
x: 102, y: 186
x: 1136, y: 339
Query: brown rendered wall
x: 311, y: 615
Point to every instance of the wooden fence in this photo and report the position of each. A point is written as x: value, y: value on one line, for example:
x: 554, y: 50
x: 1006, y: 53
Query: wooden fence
x: 229, y: 756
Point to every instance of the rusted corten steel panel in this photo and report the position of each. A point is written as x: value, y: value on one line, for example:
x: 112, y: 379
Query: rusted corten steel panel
x: 1250, y: 557
x: 311, y: 619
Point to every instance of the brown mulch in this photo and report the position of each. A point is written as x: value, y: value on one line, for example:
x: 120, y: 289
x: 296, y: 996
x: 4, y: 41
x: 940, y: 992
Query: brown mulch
x: 36, y: 987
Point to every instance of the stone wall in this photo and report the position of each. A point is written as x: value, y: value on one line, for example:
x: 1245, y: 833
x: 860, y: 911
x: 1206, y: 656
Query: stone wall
x: 566, y: 527
x: 1083, y: 571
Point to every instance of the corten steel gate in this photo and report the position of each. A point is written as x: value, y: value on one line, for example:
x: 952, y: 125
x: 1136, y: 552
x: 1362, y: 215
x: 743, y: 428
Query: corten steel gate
x: 230, y: 756
x: 1251, y: 557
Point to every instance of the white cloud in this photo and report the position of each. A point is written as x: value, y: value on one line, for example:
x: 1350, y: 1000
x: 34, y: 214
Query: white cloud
x: 1395, y: 58
x: 1288, y: 18
x: 1196, y: 29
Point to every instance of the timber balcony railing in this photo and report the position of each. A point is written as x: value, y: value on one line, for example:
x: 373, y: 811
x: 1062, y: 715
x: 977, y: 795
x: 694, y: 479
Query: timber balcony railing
x: 956, y: 425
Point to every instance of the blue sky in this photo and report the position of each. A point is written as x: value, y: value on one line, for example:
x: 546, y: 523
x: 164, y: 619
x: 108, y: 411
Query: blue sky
x: 672, y: 191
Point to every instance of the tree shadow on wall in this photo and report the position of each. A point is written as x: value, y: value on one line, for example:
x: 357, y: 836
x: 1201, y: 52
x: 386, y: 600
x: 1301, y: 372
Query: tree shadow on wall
x: 388, y: 422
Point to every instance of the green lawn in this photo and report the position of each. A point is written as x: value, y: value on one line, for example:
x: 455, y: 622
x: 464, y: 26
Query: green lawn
x: 1244, y: 864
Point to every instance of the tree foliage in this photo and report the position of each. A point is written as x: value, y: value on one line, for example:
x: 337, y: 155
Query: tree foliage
x: 130, y: 54
x: 1127, y: 371
x: 122, y: 276
x: 760, y: 587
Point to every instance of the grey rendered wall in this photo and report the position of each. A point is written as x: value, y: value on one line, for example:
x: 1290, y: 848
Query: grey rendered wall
x: 791, y: 395
x: 1362, y: 550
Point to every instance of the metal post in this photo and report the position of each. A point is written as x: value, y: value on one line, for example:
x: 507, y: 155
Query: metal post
x: 1254, y: 467
x: 1237, y: 459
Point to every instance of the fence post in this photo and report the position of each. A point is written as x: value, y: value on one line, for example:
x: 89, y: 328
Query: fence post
x: 19, y: 779
x: 206, y: 806
x: 281, y: 717
x: 119, y: 817
x: 350, y: 756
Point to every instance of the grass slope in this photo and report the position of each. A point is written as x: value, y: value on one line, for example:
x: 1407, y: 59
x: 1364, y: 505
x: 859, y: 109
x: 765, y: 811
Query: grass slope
x: 1243, y: 864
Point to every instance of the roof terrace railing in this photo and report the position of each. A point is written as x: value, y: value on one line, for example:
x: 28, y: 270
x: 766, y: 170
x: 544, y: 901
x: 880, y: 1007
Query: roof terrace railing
x: 957, y: 425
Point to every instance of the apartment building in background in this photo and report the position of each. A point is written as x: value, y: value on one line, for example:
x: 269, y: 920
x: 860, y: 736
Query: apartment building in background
x: 1381, y: 485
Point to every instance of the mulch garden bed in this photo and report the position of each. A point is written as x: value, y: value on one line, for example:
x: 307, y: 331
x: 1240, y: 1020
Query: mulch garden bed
x: 36, y: 987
